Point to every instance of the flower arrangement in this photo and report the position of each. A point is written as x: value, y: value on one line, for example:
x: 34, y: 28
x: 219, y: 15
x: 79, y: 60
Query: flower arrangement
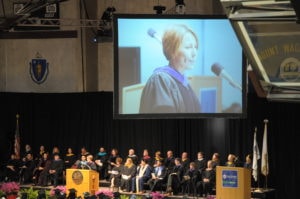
x: 58, y: 192
x: 104, y: 194
x: 10, y: 188
x: 157, y: 195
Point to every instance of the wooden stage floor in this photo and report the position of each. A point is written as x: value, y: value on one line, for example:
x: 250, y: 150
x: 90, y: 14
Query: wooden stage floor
x: 104, y: 185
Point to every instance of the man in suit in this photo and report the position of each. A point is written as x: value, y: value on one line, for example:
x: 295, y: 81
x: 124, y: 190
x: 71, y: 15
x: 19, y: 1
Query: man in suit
x: 158, y: 176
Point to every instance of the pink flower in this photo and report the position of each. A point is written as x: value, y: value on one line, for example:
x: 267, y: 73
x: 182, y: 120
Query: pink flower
x: 107, y: 193
x: 10, y: 188
x: 60, y: 189
x: 157, y: 195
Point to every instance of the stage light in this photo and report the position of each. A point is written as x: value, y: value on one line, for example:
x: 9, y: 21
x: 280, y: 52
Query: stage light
x: 105, y: 32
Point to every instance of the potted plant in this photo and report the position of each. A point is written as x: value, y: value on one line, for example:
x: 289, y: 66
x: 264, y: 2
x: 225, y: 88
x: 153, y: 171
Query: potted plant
x: 10, y: 189
x: 30, y: 193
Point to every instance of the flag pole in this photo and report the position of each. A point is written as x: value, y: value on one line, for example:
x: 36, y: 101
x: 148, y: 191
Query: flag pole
x: 17, y: 138
x: 255, y: 158
x: 265, y: 156
x: 258, y: 170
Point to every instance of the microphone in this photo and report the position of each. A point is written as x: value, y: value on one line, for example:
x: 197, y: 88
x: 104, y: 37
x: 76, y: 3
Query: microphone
x: 219, y: 70
x: 152, y: 33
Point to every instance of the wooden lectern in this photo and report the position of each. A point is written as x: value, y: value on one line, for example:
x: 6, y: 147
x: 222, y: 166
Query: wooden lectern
x: 82, y: 181
x: 233, y: 183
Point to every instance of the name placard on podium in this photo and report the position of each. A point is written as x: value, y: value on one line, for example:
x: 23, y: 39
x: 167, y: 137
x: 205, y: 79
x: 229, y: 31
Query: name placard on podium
x: 233, y: 183
x: 82, y: 181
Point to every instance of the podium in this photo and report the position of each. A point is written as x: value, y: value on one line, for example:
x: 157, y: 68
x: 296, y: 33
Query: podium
x: 82, y: 181
x: 233, y: 183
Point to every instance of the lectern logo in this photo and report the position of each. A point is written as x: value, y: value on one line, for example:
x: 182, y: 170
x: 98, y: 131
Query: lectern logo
x: 229, y: 178
x: 77, y: 177
x: 39, y: 69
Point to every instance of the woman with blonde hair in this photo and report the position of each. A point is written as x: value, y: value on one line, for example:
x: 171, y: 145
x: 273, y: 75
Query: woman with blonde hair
x: 127, y: 173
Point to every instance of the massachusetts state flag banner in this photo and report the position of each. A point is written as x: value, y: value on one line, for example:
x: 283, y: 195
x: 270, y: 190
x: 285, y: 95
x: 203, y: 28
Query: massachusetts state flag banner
x: 265, y: 157
x: 256, y: 156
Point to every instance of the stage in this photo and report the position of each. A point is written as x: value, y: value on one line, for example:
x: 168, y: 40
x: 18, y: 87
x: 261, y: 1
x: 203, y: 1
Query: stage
x: 104, y: 186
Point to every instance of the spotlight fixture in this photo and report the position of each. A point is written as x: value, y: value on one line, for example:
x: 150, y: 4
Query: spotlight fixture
x: 105, y: 31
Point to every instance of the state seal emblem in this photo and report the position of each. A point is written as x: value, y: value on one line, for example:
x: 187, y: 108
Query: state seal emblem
x: 39, y: 69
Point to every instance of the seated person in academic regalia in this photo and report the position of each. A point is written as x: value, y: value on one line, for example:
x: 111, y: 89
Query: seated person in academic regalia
x: 115, y: 174
x: 175, y: 177
x: 208, y: 180
x: 142, y: 176
x: 127, y: 173
x: 41, y: 168
x: 101, y: 159
x: 70, y: 158
x: 27, y: 168
x: 190, y: 178
x: 56, y: 170
x: 11, y: 169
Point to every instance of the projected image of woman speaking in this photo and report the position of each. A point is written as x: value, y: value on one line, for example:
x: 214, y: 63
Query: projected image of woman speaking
x: 168, y: 90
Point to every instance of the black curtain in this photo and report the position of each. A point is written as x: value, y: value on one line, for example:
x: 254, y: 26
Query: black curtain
x: 85, y: 119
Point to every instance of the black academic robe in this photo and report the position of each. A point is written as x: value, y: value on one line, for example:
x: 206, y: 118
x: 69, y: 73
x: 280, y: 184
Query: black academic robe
x: 167, y: 91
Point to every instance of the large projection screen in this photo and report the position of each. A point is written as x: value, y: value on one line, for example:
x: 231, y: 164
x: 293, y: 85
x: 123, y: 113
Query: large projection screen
x: 182, y: 66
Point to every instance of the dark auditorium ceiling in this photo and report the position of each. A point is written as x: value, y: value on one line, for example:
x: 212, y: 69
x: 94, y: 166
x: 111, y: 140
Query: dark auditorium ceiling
x: 269, y: 31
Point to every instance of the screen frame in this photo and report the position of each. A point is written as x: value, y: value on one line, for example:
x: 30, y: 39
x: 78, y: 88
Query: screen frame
x: 116, y: 96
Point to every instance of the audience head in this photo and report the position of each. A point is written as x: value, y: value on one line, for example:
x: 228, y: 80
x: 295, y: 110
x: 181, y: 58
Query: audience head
x: 192, y: 165
x: 169, y: 154
x: 144, y: 162
x: 119, y: 160
x: 145, y: 152
x: 209, y: 164
x: 249, y: 158
x: 200, y: 155
x: 89, y: 158
x: 114, y: 152
x: 129, y: 162
x: 184, y: 155
x: 177, y: 161
x: 231, y: 158
x: 159, y: 163
x: 216, y: 157
x: 131, y: 152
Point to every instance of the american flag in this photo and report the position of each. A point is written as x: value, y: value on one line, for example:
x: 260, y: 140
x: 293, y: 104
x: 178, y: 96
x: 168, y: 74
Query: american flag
x: 17, y: 139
